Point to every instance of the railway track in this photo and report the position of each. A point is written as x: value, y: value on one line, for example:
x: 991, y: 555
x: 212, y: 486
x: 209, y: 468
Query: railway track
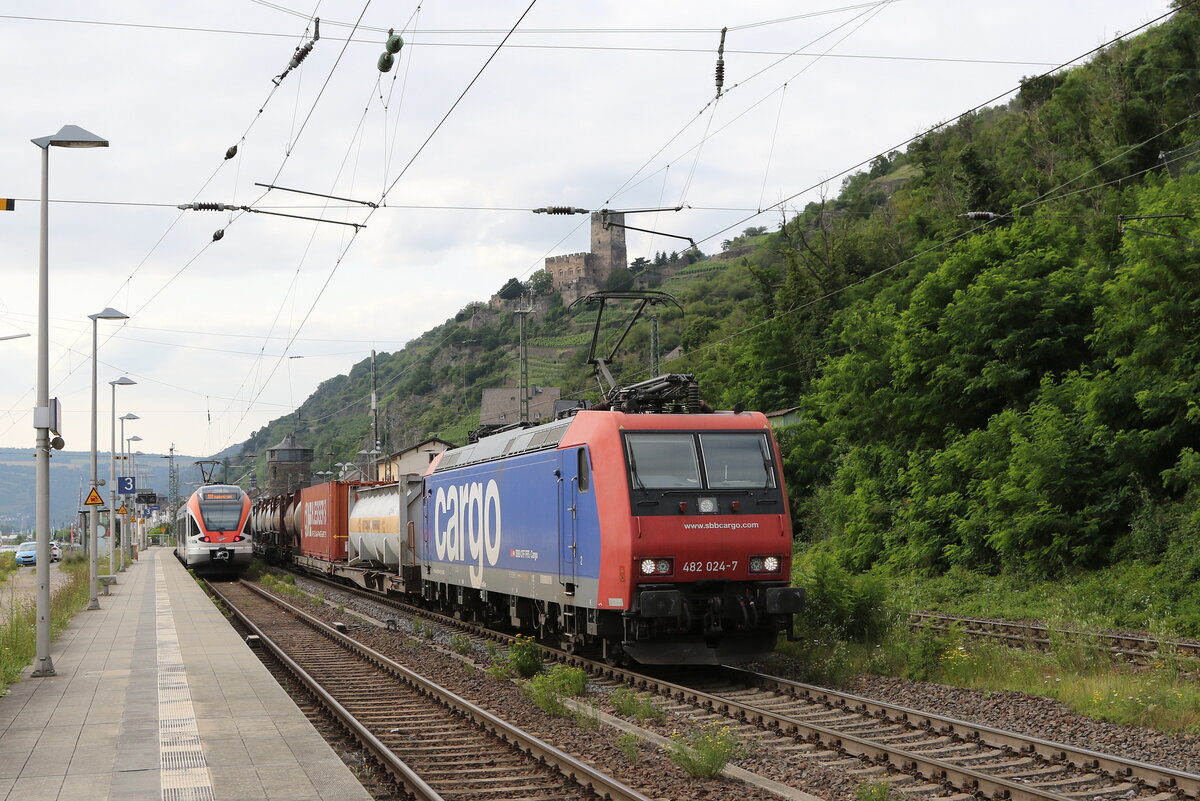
x: 1135, y: 647
x: 435, y: 744
x: 943, y: 752
x: 920, y: 754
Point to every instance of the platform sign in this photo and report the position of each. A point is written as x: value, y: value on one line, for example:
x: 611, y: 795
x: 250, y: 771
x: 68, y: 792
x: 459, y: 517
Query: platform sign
x: 122, y: 510
x: 94, y: 499
x: 7, y: 203
x: 126, y: 485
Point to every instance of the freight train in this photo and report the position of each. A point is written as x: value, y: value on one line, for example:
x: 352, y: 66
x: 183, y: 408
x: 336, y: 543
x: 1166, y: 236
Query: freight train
x: 214, y: 530
x: 657, y: 535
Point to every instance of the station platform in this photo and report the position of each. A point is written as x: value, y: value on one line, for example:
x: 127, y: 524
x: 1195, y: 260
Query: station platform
x: 156, y: 697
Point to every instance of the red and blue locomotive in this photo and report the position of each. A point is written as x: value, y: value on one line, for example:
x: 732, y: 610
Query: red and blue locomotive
x: 658, y: 534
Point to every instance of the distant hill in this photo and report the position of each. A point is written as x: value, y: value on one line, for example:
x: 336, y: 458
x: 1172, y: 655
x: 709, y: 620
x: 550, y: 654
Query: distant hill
x: 70, y: 480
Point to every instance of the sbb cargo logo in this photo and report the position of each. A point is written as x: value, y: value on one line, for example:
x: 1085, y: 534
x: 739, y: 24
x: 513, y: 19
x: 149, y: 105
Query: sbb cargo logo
x: 467, y: 524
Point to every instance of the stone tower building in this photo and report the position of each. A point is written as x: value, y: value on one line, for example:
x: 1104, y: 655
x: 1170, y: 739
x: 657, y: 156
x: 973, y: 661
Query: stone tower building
x: 576, y: 274
x: 608, y: 245
x: 288, y: 466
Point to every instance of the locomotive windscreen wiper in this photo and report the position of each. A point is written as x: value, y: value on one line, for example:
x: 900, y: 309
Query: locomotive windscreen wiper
x: 637, y: 480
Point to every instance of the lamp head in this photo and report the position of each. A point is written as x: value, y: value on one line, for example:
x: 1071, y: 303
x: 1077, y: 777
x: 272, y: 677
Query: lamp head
x: 109, y: 313
x: 71, y: 136
x: 129, y: 416
x: 123, y: 381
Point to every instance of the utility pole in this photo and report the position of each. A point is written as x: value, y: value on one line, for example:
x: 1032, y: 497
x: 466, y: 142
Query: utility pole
x: 374, y: 404
x: 524, y: 356
x: 654, y: 346
x: 172, y: 491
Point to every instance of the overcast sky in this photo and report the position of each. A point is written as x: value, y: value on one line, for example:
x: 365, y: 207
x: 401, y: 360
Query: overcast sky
x: 599, y: 104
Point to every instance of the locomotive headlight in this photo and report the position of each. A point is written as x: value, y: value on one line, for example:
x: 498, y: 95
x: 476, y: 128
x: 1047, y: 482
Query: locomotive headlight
x: 765, y: 564
x: 707, y: 506
x: 647, y: 567
x: 663, y: 566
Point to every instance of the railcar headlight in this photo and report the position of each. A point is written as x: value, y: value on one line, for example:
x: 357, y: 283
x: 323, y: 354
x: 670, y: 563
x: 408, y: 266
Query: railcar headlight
x: 707, y: 506
x: 656, y: 567
x: 765, y: 564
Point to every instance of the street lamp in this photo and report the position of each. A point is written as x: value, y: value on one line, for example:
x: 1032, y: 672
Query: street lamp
x: 114, y: 553
x: 94, y: 603
x: 69, y: 136
x: 126, y: 526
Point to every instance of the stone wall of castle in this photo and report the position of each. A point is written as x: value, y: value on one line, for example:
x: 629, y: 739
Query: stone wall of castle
x: 579, y: 273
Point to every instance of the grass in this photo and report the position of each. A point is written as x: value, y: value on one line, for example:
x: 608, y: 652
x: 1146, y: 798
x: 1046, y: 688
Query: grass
x: 631, y: 704
x: 704, y: 752
x: 18, y: 634
x: 1077, y: 674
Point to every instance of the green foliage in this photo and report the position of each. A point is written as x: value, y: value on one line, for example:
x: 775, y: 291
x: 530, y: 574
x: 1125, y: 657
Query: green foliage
x: 704, y: 752
x: 524, y: 658
x: 631, y: 704
x: 461, y: 644
x: 549, y: 688
x: 854, y: 607
x: 629, y: 744
x: 877, y: 791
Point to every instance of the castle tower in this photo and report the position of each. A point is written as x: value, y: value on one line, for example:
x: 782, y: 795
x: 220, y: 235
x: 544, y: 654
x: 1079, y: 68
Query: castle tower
x: 608, y: 245
x: 288, y: 466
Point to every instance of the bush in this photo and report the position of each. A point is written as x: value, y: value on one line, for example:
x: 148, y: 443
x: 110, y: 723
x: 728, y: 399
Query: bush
x: 704, y: 752
x: 635, y: 705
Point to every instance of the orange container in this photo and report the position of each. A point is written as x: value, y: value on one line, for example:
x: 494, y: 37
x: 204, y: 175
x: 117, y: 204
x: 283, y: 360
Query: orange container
x: 322, y: 520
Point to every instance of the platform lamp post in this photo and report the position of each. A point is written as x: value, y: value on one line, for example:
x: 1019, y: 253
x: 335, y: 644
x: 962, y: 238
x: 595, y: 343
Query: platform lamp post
x: 127, y: 523
x: 43, y: 414
x: 93, y: 549
x: 114, y: 553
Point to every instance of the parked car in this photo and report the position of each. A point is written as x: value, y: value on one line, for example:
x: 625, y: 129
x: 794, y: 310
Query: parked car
x: 27, y: 553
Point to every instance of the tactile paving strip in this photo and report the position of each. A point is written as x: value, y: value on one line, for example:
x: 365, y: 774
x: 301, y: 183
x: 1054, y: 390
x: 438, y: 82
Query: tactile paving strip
x: 184, y: 774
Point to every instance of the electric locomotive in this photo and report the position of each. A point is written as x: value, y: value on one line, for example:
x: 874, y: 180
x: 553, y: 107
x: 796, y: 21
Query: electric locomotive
x: 657, y: 538
x: 214, y: 530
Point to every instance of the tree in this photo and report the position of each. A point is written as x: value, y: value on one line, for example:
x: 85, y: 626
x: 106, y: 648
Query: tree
x: 512, y: 290
x: 540, y: 283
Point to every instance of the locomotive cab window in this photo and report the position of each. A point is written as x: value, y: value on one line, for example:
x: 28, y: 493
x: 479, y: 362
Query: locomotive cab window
x: 737, y: 461
x: 663, y: 461
x: 679, y: 461
x: 584, y: 476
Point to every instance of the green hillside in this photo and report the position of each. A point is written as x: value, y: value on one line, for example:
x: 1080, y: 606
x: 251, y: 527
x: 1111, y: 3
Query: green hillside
x: 1013, y: 393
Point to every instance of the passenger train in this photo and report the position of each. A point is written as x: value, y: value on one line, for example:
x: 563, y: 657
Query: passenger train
x: 653, y: 532
x: 213, y: 530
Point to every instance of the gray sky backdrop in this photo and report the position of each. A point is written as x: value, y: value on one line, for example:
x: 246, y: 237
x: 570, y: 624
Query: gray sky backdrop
x: 598, y: 104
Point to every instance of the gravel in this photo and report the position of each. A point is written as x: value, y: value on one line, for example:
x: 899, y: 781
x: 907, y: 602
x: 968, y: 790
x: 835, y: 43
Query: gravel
x: 657, y: 776
x: 1037, y: 716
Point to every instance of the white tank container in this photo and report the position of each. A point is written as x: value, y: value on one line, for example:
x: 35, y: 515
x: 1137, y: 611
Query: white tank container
x: 377, y: 526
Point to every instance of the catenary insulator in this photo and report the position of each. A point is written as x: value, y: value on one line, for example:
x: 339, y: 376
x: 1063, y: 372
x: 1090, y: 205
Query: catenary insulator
x: 980, y: 215
x: 300, y: 55
x: 394, y: 42
x: 217, y: 234
x: 206, y: 206
x: 386, y: 60
x: 230, y: 153
x: 720, y: 74
x: 560, y: 210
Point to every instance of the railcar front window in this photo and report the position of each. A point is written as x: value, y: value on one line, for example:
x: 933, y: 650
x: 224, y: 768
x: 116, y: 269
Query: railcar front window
x: 221, y: 517
x: 737, y: 461
x: 663, y: 461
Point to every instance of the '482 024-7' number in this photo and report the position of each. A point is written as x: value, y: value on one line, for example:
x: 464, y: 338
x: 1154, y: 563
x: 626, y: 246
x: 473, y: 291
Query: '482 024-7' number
x: 710, y: 567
